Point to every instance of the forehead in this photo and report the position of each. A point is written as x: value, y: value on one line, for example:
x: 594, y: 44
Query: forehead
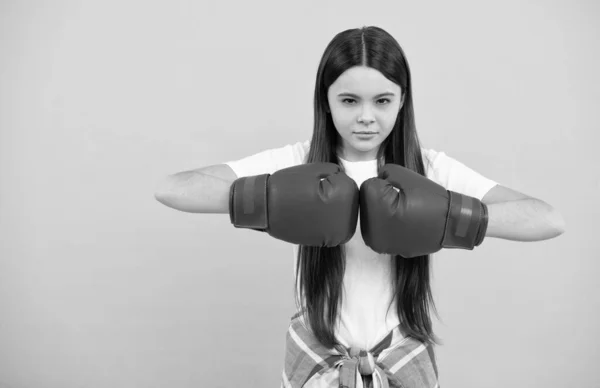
x: 364, y: 80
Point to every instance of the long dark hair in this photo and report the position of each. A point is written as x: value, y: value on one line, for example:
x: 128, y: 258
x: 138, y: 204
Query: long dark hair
x: 320, y: 270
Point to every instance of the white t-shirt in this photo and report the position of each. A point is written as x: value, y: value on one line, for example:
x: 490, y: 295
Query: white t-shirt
x: 367, y: 284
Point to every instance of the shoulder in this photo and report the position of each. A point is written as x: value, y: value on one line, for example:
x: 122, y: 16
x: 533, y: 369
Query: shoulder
x: 454, y: 175
x: 270, y: 159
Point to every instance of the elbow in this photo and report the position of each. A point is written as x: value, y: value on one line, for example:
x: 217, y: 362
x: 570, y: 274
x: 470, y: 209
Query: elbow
x: 160, y: 197
x: 162, y: 189
x: 558, y: 222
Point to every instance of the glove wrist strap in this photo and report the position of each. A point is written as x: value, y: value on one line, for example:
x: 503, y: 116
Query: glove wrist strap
x: 248, y: 202
x: 466, y: 223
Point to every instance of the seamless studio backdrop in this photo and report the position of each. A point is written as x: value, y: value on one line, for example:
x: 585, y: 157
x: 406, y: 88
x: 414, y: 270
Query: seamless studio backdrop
x: 102, y: 286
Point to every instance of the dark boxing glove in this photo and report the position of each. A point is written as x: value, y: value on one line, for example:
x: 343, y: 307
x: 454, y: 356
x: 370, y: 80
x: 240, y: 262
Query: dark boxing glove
x: 420, y: 218
x: 313, y: 204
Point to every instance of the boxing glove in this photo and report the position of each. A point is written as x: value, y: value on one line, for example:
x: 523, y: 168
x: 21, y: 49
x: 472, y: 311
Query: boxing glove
x: 404, y: 213
x: 313, y: 204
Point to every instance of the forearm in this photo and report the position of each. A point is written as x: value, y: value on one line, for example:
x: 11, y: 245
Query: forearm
x: 196, y: 192
x: 524, y: 220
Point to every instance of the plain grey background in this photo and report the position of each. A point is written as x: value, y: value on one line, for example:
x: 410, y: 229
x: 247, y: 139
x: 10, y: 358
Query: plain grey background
x: 102, y: 286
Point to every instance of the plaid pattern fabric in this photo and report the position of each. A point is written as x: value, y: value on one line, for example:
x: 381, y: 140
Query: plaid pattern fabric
x: 395, y: 362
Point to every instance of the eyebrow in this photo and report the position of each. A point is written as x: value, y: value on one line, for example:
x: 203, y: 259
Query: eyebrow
x: 354, y: 95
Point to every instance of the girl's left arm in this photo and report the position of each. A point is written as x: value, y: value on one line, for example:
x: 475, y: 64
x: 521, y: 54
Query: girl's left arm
x: 515, y: 216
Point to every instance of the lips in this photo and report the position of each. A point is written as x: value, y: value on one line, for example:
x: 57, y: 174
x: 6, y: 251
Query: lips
x: 365, y: 133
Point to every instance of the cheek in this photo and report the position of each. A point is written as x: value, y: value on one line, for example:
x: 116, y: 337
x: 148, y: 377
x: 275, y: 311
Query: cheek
x: 346, y: 122
x: 341, y: 122
x: 390, y: 120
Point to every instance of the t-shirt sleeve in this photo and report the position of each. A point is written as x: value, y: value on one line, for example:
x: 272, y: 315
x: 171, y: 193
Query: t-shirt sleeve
x: 454, y: 175
x: 270, y: 160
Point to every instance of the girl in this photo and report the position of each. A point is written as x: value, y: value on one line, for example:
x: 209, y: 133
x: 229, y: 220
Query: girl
x: 362, y: 317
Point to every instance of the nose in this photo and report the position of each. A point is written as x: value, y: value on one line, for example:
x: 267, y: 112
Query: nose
x: 366, y: 121
x: 366, y: 116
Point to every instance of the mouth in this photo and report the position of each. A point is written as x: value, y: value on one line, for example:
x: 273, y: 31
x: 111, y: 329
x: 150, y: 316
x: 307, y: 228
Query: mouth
x: 365, y: 133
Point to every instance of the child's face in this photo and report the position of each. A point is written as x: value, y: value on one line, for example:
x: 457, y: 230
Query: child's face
x: 364, y: 110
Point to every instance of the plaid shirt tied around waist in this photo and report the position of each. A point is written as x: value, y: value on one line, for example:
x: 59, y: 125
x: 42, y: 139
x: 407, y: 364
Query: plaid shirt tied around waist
x: 395, y: 362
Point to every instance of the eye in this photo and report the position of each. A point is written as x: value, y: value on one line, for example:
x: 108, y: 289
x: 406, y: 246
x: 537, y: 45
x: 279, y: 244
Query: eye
x: 351, y: 99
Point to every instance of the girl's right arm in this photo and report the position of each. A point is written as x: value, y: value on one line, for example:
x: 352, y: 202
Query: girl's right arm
x: 204, y: 190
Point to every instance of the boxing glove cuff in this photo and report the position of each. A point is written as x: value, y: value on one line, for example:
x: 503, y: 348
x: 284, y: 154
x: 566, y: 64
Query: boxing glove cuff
x: 483, y: 226
x: 248, y: 202
x: 466, y: 223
